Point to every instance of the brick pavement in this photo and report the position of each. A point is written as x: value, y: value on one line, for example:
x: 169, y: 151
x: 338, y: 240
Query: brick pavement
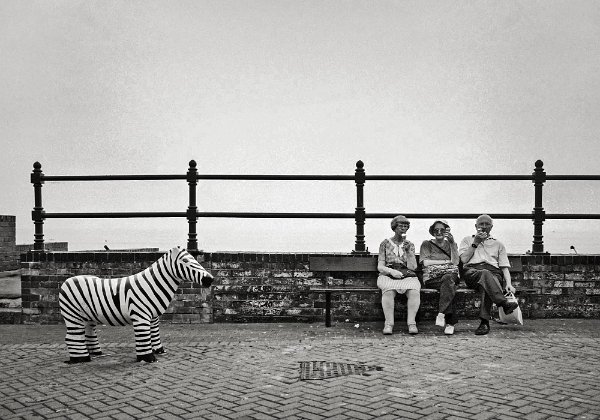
x: 547, y: 369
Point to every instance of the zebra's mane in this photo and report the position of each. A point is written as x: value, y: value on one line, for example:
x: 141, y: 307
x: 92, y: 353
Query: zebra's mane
x: 167, y: 264
x: 171, y: 264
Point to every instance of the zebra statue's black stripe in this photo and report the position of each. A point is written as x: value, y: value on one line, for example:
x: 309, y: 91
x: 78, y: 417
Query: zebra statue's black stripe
x: 140, y: 299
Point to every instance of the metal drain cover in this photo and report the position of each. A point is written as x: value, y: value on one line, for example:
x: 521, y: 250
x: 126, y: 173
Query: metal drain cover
x: 324, y: 370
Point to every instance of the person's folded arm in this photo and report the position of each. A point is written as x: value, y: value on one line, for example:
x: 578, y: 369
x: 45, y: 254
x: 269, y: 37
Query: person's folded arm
x: 388, y: 271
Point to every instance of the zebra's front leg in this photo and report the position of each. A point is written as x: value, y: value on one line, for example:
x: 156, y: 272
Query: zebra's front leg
x: 143, y: 344
x: 157, y: 347
x: 75, y: 341
x: 91, y: 339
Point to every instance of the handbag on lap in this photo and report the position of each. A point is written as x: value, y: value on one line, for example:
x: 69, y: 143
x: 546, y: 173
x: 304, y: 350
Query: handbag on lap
x: 438, y: 270
x: 406, y: 272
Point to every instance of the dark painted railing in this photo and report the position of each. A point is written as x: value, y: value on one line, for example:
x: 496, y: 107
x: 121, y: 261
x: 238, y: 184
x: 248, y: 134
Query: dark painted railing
x: 538, y: 215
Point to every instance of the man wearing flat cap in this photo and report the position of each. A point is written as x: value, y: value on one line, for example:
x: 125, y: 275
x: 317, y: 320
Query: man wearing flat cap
x: 486, y: 268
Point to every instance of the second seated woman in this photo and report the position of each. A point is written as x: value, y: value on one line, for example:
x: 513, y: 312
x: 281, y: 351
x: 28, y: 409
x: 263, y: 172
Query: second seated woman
x: 396, y: 264
x: 439, y: 257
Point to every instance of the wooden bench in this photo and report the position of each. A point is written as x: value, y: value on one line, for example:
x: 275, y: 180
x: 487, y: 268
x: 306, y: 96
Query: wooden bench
x: 363, y: 263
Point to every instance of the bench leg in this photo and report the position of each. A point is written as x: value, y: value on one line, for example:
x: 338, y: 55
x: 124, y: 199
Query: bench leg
x: 328, y: 309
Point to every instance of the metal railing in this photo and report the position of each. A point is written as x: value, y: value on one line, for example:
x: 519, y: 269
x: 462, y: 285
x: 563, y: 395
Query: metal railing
x: 538, y: 215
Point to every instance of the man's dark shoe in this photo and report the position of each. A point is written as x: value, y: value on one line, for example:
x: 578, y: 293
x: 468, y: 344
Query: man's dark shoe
x: 483, y: 329
x: 509, y: 307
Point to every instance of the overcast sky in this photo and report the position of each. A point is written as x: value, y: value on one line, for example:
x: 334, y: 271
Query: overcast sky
x: 298, y: 87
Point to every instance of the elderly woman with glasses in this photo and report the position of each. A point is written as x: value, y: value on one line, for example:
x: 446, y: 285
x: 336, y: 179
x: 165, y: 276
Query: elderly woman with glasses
x: 439, y: 257
x: 396, y: 265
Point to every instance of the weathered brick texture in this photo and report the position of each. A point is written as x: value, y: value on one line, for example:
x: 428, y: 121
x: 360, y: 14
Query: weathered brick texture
x: 254, y: 287
x: 563, y: 285
x: 275, y: 287
x: 9, y: 257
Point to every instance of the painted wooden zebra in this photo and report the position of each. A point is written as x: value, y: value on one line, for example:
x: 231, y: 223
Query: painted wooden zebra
x: 140, y: 299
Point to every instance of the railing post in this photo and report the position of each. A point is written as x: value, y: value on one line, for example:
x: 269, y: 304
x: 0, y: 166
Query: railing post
x: 359, y: 212
x: 539, y: 215
x: 37, y: 215
x: 192, y: 244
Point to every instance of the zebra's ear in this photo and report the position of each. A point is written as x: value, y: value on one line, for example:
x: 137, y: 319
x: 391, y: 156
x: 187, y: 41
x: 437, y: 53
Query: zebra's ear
x: 176, y: 249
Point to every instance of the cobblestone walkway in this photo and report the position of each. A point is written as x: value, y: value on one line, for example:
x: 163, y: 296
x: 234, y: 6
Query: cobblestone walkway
x: 547, y: 369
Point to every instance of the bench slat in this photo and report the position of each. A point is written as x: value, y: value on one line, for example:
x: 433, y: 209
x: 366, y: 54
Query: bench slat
x: 344, y: 263
x: 373, y: 289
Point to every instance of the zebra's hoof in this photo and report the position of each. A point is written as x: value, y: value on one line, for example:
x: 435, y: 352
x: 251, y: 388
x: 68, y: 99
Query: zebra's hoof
x: 160, y: 350
x: 148, y: 358
x: 97, y: 353
x: 74, y: 360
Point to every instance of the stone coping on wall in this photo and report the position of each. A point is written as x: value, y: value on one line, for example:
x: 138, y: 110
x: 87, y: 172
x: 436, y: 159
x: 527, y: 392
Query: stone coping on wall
x: 129, y: 256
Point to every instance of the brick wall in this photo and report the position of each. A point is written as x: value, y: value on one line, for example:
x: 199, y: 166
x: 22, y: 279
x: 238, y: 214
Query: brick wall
x: 8, y: 253
x: 254, y: 287
x: 274, y: 287
x: 269, y: 287
x: 565, y: 286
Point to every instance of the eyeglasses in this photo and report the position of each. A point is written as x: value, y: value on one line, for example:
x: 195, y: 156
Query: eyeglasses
x: 443, y: 230
x: 406, y: 225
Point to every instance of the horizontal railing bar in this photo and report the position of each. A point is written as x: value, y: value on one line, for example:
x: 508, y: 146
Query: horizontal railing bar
x: 449, y: 177
x: 524, y: 216
x: 198, y: 177
x: 115, y: 215
x: 111, y: 177
x: 318, y: 177
x: 573, y: 216
x: 527, y: 216
x: 278, y: 177
x: 246, y: 215
x: 257, y: 215
x: 573, y: 177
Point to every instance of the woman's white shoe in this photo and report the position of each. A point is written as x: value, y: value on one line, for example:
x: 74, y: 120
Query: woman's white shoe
x: 440, y: 321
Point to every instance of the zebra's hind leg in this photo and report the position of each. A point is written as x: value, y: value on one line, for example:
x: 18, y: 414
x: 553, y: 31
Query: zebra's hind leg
x: 143, y: 344
x: 91, y: 339
x: 157, y: 347
x: 75, y: 340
